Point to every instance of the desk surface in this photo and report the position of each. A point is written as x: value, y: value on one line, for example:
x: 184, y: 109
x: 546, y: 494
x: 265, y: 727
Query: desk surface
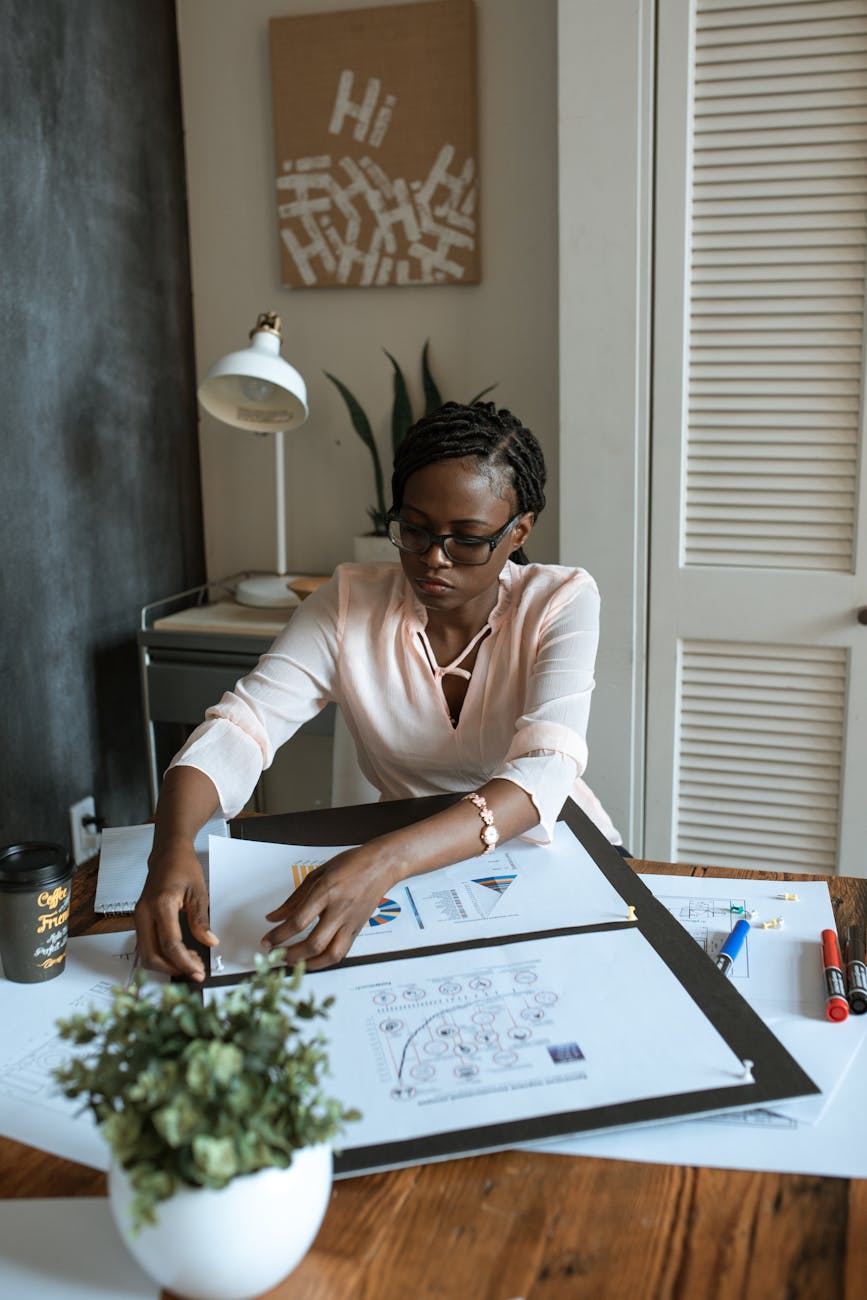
x: 540, y: 1227
x: 226, y: 617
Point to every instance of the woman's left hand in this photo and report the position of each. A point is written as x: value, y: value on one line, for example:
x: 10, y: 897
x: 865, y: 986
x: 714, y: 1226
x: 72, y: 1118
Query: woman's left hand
x: 343, y: 893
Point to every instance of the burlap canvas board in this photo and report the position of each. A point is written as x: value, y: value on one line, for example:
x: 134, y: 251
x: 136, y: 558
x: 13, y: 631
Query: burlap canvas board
x: 376, y: 145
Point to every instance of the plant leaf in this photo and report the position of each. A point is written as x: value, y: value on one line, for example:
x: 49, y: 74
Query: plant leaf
x: 478, y: 397
x: 226, y: 1062
x: 379, y: 522
x: 177, y: 1122
x: 216, y: 1158
x: 401, y: 410
x: 361, y: 425
x: 432, y: 397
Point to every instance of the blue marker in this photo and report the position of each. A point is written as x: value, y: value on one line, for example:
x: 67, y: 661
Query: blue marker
x: 732, y: 946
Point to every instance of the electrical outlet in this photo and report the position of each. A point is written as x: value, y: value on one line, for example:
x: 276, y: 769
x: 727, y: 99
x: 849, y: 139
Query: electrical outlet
x: 85, y: 838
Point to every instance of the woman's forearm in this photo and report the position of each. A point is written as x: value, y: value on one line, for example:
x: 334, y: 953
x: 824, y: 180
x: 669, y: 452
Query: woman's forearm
x: 339, y: 897
x: 187, y: 800
x: 175, y: 882
x: 455, y: 834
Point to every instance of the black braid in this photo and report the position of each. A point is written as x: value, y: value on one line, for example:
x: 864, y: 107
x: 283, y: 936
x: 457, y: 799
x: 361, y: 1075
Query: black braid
x: 496, y: 437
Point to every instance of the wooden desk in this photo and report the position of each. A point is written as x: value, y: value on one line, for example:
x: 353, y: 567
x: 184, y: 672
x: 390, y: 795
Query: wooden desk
x: 540, y: 1227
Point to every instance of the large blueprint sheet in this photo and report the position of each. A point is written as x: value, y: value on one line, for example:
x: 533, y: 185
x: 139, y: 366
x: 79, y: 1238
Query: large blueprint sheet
x: 512, y: 998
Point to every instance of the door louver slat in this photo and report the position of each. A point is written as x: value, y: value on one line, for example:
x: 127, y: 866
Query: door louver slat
x: 779, y: 241
x: 760, y: 745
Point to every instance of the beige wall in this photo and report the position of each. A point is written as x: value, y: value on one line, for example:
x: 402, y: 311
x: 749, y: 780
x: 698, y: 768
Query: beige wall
x: 606, y: 60
x: 502, y: 329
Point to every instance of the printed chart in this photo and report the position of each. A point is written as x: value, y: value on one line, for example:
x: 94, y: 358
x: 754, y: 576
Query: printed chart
x: 387, y: 911
x: 710, y: 921
x: 775, y: 969
x: 521, y: 887
x: 464, y: 1030
x: 543, y: 1031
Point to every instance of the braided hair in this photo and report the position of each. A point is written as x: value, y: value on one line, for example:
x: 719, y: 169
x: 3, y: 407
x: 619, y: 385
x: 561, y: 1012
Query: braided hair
x: 497, y: 438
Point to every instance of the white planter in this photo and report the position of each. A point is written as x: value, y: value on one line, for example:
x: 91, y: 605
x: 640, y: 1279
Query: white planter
x: 235, y: 1243
x: 369, y: 549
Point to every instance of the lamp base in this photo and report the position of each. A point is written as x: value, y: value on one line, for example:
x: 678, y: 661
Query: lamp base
x: 267, y: 591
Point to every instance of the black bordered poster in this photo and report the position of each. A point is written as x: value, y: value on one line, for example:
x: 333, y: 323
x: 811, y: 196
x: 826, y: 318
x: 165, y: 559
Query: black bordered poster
x: 503, y: 1034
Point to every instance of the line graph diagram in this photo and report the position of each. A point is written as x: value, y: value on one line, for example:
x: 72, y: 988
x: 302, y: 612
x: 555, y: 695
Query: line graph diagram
x: 471, y: 1032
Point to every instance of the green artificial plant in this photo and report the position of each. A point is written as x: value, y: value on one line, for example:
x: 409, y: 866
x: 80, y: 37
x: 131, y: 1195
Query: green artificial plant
x: 401, y: 419
x: 191, y: 1093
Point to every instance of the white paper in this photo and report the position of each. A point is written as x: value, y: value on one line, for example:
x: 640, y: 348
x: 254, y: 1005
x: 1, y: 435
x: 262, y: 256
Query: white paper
x: 32, y: 1108
x: 778, y: 970
x: 447, y: 1041
x: 123, y: 862
x: 66, y: 1249
x: 780, y: 973
x: 834, y: 1146
x: 520, y: 888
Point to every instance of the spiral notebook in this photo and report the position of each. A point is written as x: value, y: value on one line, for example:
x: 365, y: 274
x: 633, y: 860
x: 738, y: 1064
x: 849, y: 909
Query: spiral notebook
x: 123, y: 863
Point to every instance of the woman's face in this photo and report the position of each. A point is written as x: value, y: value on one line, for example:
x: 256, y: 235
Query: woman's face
x: 460, y: 496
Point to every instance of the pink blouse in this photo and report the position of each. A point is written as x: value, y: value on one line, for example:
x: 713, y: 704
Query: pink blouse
x: 360, y: 641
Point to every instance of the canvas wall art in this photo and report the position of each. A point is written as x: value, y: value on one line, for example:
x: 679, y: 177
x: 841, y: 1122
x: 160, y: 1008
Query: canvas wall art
x: 376, y: 145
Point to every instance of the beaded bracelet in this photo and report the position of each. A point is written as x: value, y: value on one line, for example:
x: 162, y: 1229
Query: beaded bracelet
x: 489, y: 833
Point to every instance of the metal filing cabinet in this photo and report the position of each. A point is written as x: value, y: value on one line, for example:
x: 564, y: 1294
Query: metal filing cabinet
x: 192, y: 648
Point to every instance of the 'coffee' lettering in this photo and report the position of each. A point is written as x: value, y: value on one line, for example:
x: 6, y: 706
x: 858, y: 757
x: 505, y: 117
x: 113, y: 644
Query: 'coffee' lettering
x: 51, y: 900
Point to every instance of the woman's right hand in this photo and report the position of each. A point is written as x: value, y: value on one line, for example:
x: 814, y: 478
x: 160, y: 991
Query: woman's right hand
x: 175, y: 884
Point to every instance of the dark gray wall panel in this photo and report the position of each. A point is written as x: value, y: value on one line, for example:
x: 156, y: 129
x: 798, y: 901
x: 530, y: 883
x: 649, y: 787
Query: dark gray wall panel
x: 100, y: 506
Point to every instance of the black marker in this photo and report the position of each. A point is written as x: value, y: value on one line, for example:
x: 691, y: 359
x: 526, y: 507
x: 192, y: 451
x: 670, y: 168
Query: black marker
x: 856, y: 971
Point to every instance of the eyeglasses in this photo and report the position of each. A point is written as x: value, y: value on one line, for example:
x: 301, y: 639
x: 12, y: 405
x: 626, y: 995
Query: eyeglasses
x: 460, y: 548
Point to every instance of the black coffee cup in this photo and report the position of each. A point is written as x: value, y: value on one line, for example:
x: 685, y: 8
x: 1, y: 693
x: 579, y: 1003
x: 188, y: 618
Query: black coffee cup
x: 35, y: 893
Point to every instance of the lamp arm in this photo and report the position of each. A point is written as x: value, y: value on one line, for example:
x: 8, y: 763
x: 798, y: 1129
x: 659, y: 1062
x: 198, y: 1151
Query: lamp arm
x: 279, y: 471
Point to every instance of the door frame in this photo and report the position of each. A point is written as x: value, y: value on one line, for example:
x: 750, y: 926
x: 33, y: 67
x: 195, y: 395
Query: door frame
x: 606, y: 61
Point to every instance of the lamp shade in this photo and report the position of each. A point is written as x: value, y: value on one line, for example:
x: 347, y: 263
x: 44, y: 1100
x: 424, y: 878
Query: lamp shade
x: 255, y: 388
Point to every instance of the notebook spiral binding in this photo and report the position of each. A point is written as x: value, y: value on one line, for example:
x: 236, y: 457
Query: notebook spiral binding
x: 124, y: 908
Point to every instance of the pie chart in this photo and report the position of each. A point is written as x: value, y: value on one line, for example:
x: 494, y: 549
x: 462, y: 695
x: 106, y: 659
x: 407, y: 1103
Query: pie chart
x: 387, y: 910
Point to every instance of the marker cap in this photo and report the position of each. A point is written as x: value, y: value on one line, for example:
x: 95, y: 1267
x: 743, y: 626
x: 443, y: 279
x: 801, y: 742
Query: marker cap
x: 836, y: 1008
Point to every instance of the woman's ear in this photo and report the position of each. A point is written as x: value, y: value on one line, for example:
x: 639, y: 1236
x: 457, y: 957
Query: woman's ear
x: 522, y: 530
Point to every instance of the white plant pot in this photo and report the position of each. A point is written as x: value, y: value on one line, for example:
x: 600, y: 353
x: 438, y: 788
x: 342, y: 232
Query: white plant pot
x: 370, y: 549
x: 234, y: 1243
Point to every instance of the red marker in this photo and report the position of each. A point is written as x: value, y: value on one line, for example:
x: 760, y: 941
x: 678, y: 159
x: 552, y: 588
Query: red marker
x: 836, y: 1006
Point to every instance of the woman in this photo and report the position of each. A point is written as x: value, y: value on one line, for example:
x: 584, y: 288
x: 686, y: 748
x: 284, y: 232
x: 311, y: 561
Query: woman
x: 463, y: 668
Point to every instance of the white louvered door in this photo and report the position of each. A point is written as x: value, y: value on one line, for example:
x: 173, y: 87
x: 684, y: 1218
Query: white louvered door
x: 757, y: 685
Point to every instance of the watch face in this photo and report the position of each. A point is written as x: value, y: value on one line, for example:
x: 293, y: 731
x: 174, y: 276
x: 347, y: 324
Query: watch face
x: 490, y: 835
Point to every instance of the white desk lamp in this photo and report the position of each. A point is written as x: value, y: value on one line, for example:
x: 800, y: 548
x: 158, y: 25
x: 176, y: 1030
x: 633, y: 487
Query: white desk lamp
x: 255, y: 389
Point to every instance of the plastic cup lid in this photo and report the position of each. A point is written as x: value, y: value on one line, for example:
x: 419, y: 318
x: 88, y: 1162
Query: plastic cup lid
x: 32, y: 863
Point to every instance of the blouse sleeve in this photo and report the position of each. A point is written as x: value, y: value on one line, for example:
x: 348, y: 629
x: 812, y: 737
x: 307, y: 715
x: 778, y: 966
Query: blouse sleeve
x: 291, y: 683
x: 549, y: 748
